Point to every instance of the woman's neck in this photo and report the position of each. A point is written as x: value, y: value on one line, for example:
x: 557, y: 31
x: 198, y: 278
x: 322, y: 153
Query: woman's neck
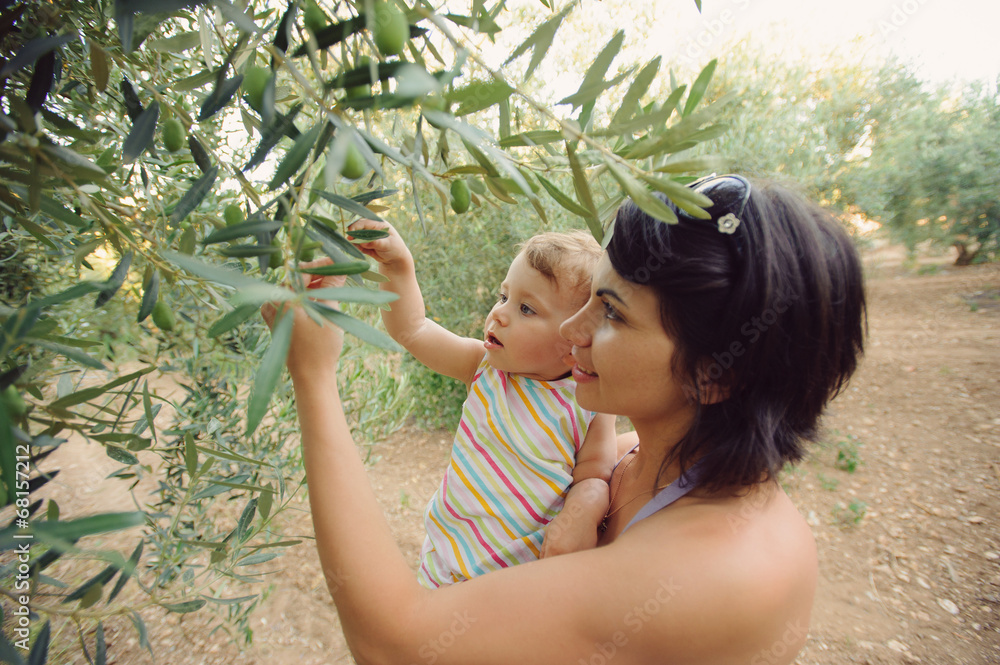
x: 656, y: 442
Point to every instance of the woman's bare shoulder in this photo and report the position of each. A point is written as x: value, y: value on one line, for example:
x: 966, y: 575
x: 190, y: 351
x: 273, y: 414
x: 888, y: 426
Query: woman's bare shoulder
x: 740, y: 567
x: 686, y: 585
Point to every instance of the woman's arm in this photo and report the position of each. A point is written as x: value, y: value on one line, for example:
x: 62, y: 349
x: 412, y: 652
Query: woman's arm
x: 638, y: 597
x: 387, y: 616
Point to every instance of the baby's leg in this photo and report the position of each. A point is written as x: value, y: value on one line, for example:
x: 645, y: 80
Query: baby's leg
x: 575, y: 527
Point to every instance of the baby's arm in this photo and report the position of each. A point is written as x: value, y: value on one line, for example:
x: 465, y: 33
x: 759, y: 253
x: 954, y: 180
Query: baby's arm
x: 599, y: 451
x: 406, y: 321
x: 575, y: 527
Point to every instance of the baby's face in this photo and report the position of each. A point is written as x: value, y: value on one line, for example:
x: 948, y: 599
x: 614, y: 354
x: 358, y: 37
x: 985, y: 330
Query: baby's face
x: 522, y: 330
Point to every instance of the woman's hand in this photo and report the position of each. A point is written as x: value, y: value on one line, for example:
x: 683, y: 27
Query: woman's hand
x: 314, y: 348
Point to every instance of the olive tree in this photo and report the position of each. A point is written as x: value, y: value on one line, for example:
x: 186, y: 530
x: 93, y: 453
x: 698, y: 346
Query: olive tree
x: 936, y: 169
x: 872, y: 140
x: 203, y: 150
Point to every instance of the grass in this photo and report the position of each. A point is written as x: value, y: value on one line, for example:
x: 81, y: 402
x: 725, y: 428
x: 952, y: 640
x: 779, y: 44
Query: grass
x: 848, y: 454
x: 850, y: 515
x: 827, y: 483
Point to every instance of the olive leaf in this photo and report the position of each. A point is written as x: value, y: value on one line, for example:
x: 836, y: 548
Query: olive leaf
x: 141, y: 134
x: 296, y: 156
x: 150, y: 294
x: 34, y: 50
x: 269, y: 371
x: 118, y: 275
x: 195, y: 195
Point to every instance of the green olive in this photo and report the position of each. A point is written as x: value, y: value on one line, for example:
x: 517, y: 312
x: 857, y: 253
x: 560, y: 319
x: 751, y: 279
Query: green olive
x: 306, y: 252
x: 391, y: 29
x: 255, y: 80
x: 173, y: 134
x: 355, y: 165
x: 460, y: 197
x: 365, y: 89
x: 163, y: 316
x: 314, y: 19
x: 189, y: 238
x: 277, y: 259
x: 15, y: 404
x: 233, y: 214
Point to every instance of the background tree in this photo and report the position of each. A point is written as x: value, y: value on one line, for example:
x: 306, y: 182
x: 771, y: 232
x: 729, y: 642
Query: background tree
x: 937, y: 172
x: 798, y: 123
x: 873, y: 141
x: 164, y: 167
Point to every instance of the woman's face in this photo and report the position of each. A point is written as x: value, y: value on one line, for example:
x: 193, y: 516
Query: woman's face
x: 623, y: 356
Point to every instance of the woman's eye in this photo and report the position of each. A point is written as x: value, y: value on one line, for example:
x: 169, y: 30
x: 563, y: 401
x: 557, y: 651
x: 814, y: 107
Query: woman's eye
x: 610, y: 312
x: 527, y: 311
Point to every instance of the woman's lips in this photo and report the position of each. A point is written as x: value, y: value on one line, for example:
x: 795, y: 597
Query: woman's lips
x: 582, y: 375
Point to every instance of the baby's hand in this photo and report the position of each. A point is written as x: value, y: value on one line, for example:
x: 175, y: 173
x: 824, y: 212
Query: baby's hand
x: 390, y: 252
x: 564, y: 536
x: 575, y: 528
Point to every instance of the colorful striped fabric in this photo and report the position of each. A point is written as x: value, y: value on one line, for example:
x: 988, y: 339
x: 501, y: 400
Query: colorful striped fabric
x: 511, y: 463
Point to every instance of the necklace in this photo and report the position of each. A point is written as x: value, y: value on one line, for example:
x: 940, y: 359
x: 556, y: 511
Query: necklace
x: 604, y: 522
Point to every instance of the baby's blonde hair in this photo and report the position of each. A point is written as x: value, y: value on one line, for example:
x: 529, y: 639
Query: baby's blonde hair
x: 568, y: 259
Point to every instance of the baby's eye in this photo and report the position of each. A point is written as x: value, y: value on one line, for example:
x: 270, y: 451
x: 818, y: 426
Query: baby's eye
x: 526, y: 310
x: 501, y: 298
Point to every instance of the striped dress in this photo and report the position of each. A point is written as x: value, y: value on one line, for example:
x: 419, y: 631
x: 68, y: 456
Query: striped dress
x: 511, y: 463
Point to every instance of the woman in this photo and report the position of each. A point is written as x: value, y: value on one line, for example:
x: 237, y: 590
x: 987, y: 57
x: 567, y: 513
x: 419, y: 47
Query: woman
x: 721, y: 340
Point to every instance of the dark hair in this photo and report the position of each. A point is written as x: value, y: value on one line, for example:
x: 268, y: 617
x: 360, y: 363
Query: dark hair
x: 771, y: 317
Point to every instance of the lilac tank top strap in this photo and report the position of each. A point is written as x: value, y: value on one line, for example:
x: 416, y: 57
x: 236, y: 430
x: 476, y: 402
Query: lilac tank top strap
x: 669, y: 494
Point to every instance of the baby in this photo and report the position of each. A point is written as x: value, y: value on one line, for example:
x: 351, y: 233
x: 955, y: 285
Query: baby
x: 522, y: 440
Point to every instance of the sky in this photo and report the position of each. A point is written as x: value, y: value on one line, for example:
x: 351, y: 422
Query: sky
x: 943, y: 40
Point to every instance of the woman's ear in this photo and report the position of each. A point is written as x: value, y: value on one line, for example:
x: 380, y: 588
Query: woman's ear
x: 712, y: 383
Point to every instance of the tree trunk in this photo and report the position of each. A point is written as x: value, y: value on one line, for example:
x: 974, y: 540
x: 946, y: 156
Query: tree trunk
x: 965, y: 255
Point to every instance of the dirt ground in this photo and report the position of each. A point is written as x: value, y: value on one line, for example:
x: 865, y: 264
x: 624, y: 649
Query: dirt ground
x: 909, y: 540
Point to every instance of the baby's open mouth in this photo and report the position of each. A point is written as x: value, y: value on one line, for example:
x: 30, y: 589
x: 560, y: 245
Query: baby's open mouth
x: 492, y: 339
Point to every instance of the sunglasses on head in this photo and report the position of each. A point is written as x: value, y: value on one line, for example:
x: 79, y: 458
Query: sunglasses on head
x: 729, y: 194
